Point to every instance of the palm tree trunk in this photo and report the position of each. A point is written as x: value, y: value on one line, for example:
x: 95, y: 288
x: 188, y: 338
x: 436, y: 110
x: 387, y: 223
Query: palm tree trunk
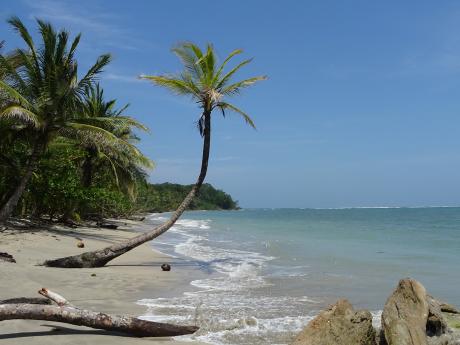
x: 100, y: 257
x: 11, y: 203
x: 87, y: 168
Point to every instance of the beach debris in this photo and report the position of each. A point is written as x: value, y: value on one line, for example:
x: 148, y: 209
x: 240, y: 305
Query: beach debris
x: 80, y: 244
x: 166, y: 267
x: 339, y: 325
x: 107, y: 225
x: 7, y: 257
x: 93, y: 274
x: 67, y: 313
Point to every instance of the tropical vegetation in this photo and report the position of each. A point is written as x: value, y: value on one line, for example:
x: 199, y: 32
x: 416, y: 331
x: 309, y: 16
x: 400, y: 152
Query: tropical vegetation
x: 66, y: 152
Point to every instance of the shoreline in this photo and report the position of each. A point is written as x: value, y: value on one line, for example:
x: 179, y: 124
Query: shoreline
x: 115, y: 289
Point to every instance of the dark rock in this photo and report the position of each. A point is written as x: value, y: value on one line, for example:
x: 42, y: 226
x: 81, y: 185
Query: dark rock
x: 447, y: 308
x: 7, y: 257
x: 80, y: 244
x: 339, y: 325
x: 436, y: 325
x: 166, y: 267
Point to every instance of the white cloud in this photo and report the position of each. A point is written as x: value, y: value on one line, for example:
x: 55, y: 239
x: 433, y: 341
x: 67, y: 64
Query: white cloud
x: 121, y: 78
x: 95, y: 23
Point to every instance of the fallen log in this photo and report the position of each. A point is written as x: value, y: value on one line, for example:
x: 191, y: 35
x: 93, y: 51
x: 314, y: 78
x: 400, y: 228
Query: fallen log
x: 29, y: 300
x: 67, y: 313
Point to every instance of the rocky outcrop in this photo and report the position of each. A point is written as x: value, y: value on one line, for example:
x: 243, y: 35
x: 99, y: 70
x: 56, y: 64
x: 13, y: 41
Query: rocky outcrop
x: 405, y: 314
x: 411, y: 317
x: 339, y: 325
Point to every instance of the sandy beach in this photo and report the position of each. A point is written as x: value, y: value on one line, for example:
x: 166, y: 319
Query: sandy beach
x: 114, y: 289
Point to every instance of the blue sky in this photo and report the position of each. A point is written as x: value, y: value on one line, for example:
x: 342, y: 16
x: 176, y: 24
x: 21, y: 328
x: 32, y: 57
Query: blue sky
x: 361, y: 108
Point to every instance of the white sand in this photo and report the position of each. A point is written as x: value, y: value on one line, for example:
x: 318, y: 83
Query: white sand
x: 115, y: 288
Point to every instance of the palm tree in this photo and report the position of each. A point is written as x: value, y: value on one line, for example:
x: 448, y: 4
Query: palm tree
x: 125, y: 159
x: 118, y: 157
x: 208, y: 85
x: 44, y: 95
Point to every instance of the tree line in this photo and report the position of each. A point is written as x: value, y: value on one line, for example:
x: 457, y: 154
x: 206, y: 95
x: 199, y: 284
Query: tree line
x: 168, y: 196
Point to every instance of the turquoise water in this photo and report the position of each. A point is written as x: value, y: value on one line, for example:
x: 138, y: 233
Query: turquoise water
x: 269, y: 271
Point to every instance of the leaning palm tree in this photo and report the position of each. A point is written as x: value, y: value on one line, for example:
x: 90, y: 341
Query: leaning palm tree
x: 44, y: 95
x: 208, y: 85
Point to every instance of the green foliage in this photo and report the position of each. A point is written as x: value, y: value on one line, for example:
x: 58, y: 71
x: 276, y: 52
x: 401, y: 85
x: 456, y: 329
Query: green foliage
x: 56, y: 189
x: 55, y: 124
x: 167, y: 196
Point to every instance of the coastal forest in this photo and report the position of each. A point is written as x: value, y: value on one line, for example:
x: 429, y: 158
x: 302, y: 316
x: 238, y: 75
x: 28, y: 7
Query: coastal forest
x: 67, y: 151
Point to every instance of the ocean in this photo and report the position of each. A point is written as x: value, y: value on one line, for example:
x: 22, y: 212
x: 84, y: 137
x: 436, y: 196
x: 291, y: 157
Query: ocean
x: 264, y: 273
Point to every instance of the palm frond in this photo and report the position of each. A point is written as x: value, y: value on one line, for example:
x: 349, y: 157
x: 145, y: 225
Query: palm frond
x: 114, y: 122
x: 94, y: 71
x: 24, y: 33
x: 87, y: 132
x: 9, y: 72
x: 73, y: 47
x: 175, y: 85
x: 227, y: 76
x: 223, y: 106
x: 189, y: 59
x: 22, y: 114
x: 222, y: 66
x: 15, y: 95
x: 236, y: 87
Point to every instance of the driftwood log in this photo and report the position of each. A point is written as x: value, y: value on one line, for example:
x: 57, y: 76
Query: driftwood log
x: 29, y: 300
x: 68, y: 313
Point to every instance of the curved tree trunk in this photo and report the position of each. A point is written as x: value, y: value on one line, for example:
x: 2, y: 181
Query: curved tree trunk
x: 12, y: 202
x: 100, y: 257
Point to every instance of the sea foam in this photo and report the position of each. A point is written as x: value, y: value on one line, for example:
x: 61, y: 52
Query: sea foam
x: 226, y: 305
